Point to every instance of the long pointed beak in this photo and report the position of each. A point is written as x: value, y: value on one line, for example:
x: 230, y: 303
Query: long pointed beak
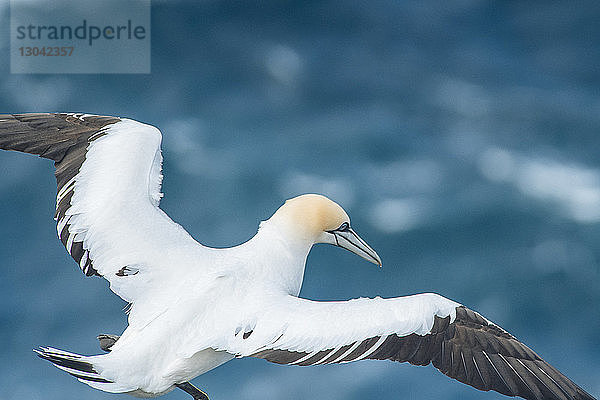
x: 350, y: 240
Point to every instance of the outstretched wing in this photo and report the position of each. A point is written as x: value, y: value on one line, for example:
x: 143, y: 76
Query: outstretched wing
x: 419, y: 329
x: 108, y: 175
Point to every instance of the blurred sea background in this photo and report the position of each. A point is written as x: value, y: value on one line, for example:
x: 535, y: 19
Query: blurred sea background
x: 463, y: 138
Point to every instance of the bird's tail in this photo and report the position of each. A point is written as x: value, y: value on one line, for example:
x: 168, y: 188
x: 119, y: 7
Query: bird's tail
x: 82, y: 368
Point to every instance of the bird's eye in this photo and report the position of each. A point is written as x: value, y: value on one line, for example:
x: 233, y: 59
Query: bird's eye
x: 344, y: 227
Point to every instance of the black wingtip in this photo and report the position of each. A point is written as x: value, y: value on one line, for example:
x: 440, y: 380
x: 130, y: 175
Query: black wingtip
x: 64, y: 359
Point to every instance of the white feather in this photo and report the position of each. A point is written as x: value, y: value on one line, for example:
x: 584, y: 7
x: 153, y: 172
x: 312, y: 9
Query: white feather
x: 194, y: 307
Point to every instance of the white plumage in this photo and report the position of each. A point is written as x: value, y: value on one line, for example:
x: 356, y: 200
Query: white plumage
x: 194, y: 307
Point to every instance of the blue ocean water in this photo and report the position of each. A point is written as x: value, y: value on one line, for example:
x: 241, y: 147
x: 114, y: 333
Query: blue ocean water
x: 461, y: 136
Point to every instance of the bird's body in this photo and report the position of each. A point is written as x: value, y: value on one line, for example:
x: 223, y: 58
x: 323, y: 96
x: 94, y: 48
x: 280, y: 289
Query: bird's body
x: 219, y: 290
x: 194, y: 308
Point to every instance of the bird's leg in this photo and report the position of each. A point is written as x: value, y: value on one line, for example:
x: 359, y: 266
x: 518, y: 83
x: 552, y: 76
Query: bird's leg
x: 196, y: 393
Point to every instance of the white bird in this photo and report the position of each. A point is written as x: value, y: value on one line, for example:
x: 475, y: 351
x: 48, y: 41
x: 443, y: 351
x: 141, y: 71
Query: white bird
x: 194, y: 308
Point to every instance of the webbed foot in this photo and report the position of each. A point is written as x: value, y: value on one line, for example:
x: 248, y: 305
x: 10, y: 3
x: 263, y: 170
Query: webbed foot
x: 107, y: 341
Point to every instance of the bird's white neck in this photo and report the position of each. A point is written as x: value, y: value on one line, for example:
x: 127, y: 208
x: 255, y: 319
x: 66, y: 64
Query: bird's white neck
x: 282, y: 257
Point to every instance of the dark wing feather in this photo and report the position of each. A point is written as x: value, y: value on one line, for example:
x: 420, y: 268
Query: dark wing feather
x: 470, y: 349
x: 63, y: 138
x: 481, y: 354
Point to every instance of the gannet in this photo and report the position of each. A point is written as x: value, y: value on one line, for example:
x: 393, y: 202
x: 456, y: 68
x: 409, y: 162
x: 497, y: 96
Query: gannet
x: 194, y: 308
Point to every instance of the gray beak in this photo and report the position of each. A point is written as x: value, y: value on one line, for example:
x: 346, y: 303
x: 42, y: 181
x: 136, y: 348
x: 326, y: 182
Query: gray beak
x: 349, y: 240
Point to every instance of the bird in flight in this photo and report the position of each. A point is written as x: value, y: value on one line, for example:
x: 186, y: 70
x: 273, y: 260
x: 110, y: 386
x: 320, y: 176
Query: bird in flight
x: 193, y: 308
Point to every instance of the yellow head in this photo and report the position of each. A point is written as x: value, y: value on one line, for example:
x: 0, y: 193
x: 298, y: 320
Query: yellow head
x: 316, y: 219
x: 311, y: 214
